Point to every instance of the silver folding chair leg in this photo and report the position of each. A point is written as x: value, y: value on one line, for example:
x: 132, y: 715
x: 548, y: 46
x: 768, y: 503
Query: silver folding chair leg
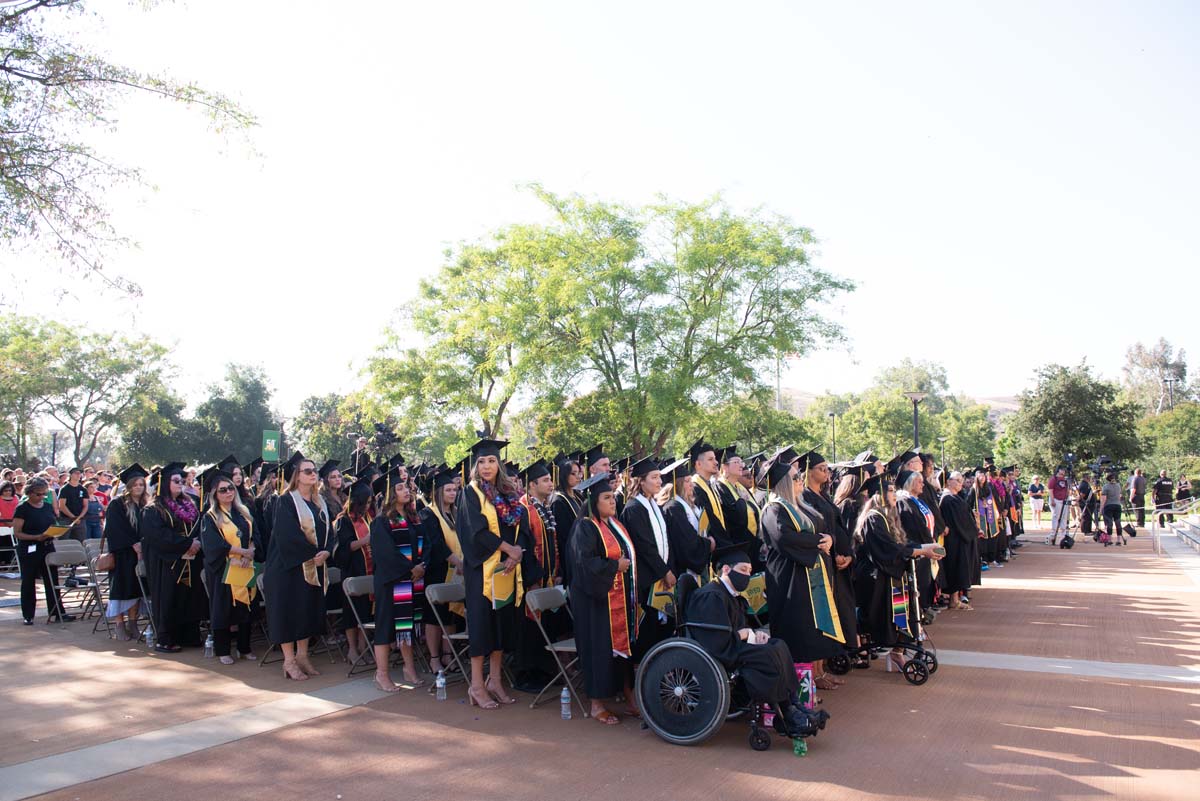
x: 563, y: 672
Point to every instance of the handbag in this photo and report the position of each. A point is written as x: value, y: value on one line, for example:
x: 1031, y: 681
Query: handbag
x: 105, y: 562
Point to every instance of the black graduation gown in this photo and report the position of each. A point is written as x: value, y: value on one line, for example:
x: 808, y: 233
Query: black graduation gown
x: 392, y: 566
x: 177, y: 607
x: 843, y: 545
x: 295, y: 608
x: 890, y: 561
x: 489, y: 629
x: 120, y: 536
x: 565, y: 511
x: 533, y: 665
x: 917, y: 532
x: 689, y: 550
x: 987, y: 545
x: 651, y: 567
x: 221, y: 609
x: 594, y: 573
x: 789, y: 553
x: 264, y: 518
x: 737, y: 526
x: 766, y: 670
x: 352, y: 563
x: 962, y: 545
x: 848, y: 511
x: 716, y: 530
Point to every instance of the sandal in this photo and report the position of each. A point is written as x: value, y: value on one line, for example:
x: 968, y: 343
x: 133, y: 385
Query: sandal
x: 293, y: 672
x: 168, y: 649
x: 414, y: 683
x: 966, y: 607
x: 307, y: 666
x: 390, y: 688
x: 607, y: 718
x: 499, y: 694
x: 824, y: 683
x: 227, y: 660
x: 486, y: 702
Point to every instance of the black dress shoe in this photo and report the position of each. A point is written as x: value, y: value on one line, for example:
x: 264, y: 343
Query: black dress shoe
x: 60, y: 619
x: 28, y: 621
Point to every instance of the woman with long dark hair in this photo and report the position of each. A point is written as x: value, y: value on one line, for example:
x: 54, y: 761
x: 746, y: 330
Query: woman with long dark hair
x: 300, y: 544
x: 226, y: 537
x: 170, y: 545
x: 692, y: 549
x: 122, y: 533
x: 352, y: 557
x: 566, y: 505
x: 399, y: 571
x: 445, y: 560
x: 987, y: 517
x: 492, y: 528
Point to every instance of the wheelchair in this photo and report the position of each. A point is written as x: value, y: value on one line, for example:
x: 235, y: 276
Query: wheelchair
x: 685, y: 694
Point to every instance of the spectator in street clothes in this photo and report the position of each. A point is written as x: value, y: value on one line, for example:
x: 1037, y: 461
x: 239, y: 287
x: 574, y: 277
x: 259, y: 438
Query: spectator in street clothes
x: 31, y: 520
x: 1183, y: 492
x: 1037, y: 499
x: 93, y: 515
x: 1110, y: 495
x: 1060, y: 508
x: 71, y: 505
x: 1137, y: 495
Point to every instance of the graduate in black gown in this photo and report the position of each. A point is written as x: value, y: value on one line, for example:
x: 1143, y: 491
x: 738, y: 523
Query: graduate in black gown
x: 170, y: 546
x: 656, y: 570
x: 800, y: 581
x: 225, y: 536
x: 704, y: 464
x: 604, y: 599
x: 961, y: 543
x: 566, y: 506
x: 816, y: 474
x: 294, y: 585
x: 764, y: 663
x: 352, y: 556
x: 889, y: 551
x: 444, y: 562
x: 122, y: 533
x: 494, y: 533
x: 740, y: 512
x: 397, y: 554
x: 917, y: 521
x: 533, y: 666
x: 691, y: 548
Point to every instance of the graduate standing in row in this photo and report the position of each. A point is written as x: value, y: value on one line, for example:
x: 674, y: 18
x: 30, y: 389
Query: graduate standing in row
x: 225, y: 536
x: 170, y: 547
x: 960, y: 568
x: 445, y: 558
x: 492, y: 529
x: 541, y: 568
x: 399, y: 571
x: 300, y: 544
x: 691, y: 547
x: 352, y: 556
x: 604, y: 599
x: 122, y: 533
x: 656, y: 569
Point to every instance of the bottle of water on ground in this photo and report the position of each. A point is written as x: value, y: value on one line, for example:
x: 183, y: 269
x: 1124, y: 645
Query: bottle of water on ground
x: 208, y: 647
x: 440, y: 685
x: 564, y: 700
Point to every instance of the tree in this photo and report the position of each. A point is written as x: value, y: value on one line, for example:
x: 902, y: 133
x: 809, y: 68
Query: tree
x: 235, y: 414
x: 163, y: 436
x: 104, y: 379
x: 51, y: 183
x: 1072, y: 411
x: 970, y: 435
x: 1147, y: 371
x: 30, y: 351
x: 1173, y: 439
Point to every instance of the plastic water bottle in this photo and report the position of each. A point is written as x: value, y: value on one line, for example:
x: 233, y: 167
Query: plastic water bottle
x: 148, y: 634
x: 440, y: 685
x: 564, y: 700
x: 208, y: 647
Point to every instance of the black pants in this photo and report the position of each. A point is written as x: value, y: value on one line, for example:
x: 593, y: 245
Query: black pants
x: 1139, y: 505
x: 1164, y: 516
x: 223, y: 638
x: 1112, y: 519
x: 33, y: 566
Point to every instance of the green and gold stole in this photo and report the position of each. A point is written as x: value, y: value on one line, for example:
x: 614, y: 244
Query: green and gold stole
x: 824, y: 606
x: 501, y: 588
x: 451, y: 537
x: 714, y: 503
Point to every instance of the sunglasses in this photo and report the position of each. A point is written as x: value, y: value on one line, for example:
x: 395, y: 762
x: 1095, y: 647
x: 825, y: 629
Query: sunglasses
x: 225, y: 488
x: 176, y: 480
x: 308, y: 471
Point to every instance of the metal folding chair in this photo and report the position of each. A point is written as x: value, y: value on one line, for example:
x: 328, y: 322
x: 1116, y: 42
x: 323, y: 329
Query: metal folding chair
x: 548, y: 599
x: 271, y: 644
x: 101, y: 599
x: 83, y: 594
x: 332, y: 640
x: 8, y: 550
x: 450, y: 593
x: 356, y: 587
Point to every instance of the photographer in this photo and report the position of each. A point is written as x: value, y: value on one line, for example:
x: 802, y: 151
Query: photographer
x: 1111, y: 495
x: 1084, y: 500
x: 1060, y: 504
x: 1137, y: 495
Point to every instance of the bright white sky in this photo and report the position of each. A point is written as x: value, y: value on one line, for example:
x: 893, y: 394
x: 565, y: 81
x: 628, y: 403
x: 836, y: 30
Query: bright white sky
x: 1010, y: 183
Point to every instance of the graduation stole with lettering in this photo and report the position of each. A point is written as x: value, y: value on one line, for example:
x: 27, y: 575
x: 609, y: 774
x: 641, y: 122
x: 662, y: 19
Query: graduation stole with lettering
x: 985, y: 516
x: 622, y: 626
x: 451, y: 537
x: 714, y: 503
x: 538, y: 527
x: 498, y: 587
x: 820, y: 591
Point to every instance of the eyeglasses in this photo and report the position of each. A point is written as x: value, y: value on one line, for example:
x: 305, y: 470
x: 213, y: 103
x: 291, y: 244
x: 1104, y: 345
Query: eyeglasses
x: 226, y: 488
x: 308, y: 471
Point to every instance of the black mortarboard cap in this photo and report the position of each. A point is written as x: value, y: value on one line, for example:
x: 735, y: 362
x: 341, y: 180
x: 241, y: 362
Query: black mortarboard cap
x: 622, y: 464
x: 487, y: 447
x: 989, y: 460
x: 809, y: 460
x: 730, y: 555
x: 597, y: 484
x: 1010, y: 468
x: 644, y: 467
x: 384, y: 482
x: 248, y: 469
x: 875, y: 484
x: 324, y: 470
x: 677, y: 470
x: 698, y: 449
x: 779, y: 465
x: 267, y: 469
x: 576, y: 457
x: 228, y: 463
x: 726, y: 453
x: 594, y: 454
x: 134, y: 470
x: 360, y: 490
x: 173, y: 467
x: 903, y: 477
x: 443, y: 477
x: 538, y: 469
x: 289, y: 467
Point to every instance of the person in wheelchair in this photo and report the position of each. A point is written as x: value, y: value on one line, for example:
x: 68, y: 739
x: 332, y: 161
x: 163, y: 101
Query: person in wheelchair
x: 716, y: 619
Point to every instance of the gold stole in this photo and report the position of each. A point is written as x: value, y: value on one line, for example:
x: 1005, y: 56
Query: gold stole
x: 229, y: 530
x: 714, y: 503
x: 451, y: 537
x: 752, y: 510
x: 509, y: 587
x: 827, y: 605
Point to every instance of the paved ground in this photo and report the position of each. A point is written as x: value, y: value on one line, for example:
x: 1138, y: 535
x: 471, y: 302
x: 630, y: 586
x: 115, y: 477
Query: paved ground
x: 1078, y: 676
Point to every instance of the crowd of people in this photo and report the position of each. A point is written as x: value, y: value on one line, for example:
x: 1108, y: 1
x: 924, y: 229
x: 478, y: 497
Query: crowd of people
x: 849, y: 557
x: 1097, y: 503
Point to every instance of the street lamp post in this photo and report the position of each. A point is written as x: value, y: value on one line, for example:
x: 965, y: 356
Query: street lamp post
x: 833, y: 422
x: 1170, y: 382
x: 916, y: 397
x: 943, y: 441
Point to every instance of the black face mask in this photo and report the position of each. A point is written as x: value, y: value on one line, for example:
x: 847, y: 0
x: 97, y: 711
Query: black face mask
x: 739, y: 581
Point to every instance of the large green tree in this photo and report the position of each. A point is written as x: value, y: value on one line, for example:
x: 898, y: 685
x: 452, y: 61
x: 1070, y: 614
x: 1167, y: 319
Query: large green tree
x: 234, y: 415
x: 52, y: 183
x: 31, y: 352
x: 1071, y: 410
x: 1155, y: 375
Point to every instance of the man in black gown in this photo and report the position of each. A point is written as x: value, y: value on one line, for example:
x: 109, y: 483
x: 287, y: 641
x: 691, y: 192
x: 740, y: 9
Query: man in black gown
x: 763, y: 663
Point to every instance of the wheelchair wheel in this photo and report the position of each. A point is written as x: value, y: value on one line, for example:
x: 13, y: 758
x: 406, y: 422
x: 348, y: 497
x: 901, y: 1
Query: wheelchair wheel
x: 916, y: 672
x: 931, y: 662
x: 683, y: 693
x: 760, y: 739
x: 839, y: 664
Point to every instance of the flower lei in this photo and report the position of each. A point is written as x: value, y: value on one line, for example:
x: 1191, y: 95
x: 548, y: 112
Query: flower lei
x: 508, y: 509
x: 183, y: 509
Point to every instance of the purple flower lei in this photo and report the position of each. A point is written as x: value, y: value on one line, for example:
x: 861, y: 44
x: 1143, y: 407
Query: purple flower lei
x: 182, y: 509
x: 508, y: 509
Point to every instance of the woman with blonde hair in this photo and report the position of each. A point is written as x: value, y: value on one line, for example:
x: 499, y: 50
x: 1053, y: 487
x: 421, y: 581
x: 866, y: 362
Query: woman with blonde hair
x: 122, y: 534
x: 299, y: 545
x: 226, y: 537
